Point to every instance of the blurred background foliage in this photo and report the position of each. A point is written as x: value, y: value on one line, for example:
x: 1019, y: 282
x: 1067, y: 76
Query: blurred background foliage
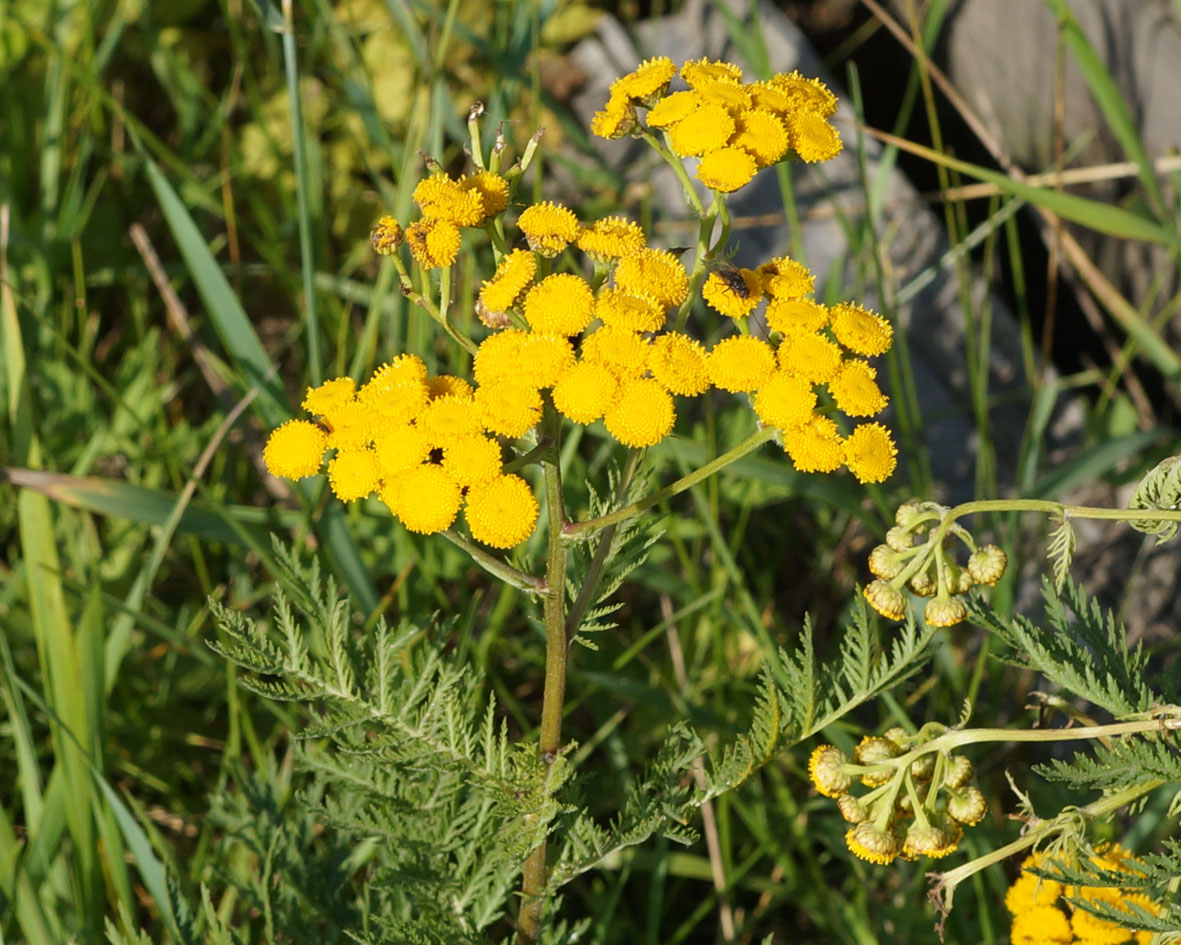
x: 154, y: 175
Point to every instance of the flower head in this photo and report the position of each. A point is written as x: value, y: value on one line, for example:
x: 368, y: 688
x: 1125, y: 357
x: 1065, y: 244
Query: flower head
x: 641, y: 414
x: 1041, y: 925
x: 471, y: 460
x: 433, y: 241
x: 706, y: 129
x: 508, y: 407
x: 617, y: 118
x: 630, y: 312
x: 871, y: 843
x: 548, y: 227
x: 585, y: 391
x: 699, y: 72
x: 295, y: 449
x: 761, y: 133
x: 611, y: 238
x: 445, y: 385
x: 672, y: 108
x: 353, y: 474
x: 792, y: 317
x: 386, y: 236
x: 855, y: 391
x: 562, y: 303
x: 352, y: 425
x: 785, y: 278
x: 870, y: 453
x: 516, y: 270
x: 815, y: 445
x: 649, y: 80
x: 501, y: 512
x: 424, y: 498
x: 945, y: 611
x: 736, y: 295
x: 448, y: 419
x: 812, y: 357
x: 805, y: 94
x: 545, y: 359
x: 323, y: 400
x: 785, y: 401
x: 860, y: 330
x: 812, y: 137
x: 825, y: 768
x: 678, y: 364
x: 654, y: 273
x: 492, y: 188
x: 740, y: 364
x: 440, y: 196
x: 399, y: 447
x: 499, y: 356
x: 624, y: 353
x: 886, y: 599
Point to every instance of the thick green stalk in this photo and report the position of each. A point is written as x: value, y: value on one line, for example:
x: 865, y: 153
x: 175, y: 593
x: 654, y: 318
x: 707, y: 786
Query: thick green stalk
x: 533, y: 876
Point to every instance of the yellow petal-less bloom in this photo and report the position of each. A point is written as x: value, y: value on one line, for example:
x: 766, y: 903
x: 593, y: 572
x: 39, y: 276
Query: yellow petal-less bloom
x: 730, y: 95
x: 585, y: 391
x: 740, y: 364
x: 1042, y: 925
x: 825, y: 766
x: 1029, y: 892
x: 812, y: 137
x: 649, y: 80
x: 860, y: 330
x: 545, y: 359
x: 403, y: 369
x: 886, y: 599
x: 672, y: 108
x: 655, y: 273
x: 785, y: 401
x: 500, y: 356
x: 856, y: 392
x: 795, y: 317
x: 611, y: 238
x: 388, y: 399
x: 805, y: 94
x: 387, y: 236
x: 870, y: 453
x: 433, y: 241
x: 815, y: 446
x: 703, y: 71
x: 678, y: 364
x: 471, y: 460
x: 424, y: 498
x: 322, y: 400
x: 812, y: 357
x: 726, y: 169
x: 623, y: 353
x: 507, y: 407
x: 630, y: 312
x: 548, y: 227
x: 448, y: 419
x: 445, y: 385
x: 295, y: 449
x: 501, y: 512
x: 492, y: 188
x: 642, y: 413
x: 440, y: 196
x: 867, y: 842
x: 720, y: 294
x: 945, y: 612
x: 617, y: 118
x: 761, y: 134
x: 766, y: 96
x: 515, y: 271
x: 353, y: 474
x: 351, y: 426
x: 561, y: 304
x: 785, y: 278
x: 706, y: 129
x: 399, y: 447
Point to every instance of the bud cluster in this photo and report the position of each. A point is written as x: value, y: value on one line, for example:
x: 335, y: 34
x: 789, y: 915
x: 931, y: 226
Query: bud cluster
x: 916, y: 557
x: 918, y: 802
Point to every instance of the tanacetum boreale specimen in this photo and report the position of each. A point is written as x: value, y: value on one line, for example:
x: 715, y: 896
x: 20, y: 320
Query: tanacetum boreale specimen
x: 588, y: 320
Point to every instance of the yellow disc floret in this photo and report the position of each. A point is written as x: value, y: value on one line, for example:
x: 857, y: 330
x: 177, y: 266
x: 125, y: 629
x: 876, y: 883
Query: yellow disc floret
x: 812, y: 357
x: 785, y: 278
x: 856, y: 392
x: 740, y: 364
x: 703, y: 71
x: 630, y: 312
x: 812, y: 137
x: 815, y: 445
x: 761, y: 134
x: 785, y: 401
x: 492, y: 188
x: 322, y: 400
x: 641, y: 414
x: 353, y: 474
x: 654, y: 273
x: 501, y: 512
x: 793, y: 317
x: 448, y: 419
x: 678, y: 364
x: 471, y: 460
x: 434, y: 242
x: 440, y: 196
x: 424, y: 498
x: 611, y: 238
x: 726, y: 169
x: 545, y: 359
x: 860, y: 330
x: 561, y: 304
x: 672, y: 108
x: 585, y: 392
x: 508, y: 407
x: 736, y: 296
x: 400, y: 447
x: 649, y: 80
x: 295, y: 449
x: 548, y: 227
x: 617, y: 118
x: 514, y: 273
x: 445, y: 385
x: 624, y: 353
x: 706, y: 129
x: 499, y: 356
x: 870, y: 453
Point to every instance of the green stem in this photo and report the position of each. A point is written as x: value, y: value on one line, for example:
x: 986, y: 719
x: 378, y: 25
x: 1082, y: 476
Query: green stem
x: 749, y: 445
x: 1055, y: 508
x: 534, y: 872
x: 701, y: 254
x: 495, y: 566
x: 678, y: 167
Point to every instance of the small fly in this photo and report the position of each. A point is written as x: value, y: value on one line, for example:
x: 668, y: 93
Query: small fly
x: 731, y: 277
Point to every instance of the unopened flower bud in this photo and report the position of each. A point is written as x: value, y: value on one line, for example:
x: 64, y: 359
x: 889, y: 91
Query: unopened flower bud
x: 899, y: 538
x: 885, y: 562
x: 908, y: 512
x: 923, y: 767
x: 825, y: 769
x: 873, y: 750
x: 959, y: 772
x: 387, y: 236
x: 872, y: 843
x: 886, y: 599
x: 934, y: 840
x: 852, y: 809
x: 967, y: 806
x: 987, y: 565
x: 945, y: 612
x: 491, y: 319
x: 923, y: 584
x: 959, y: 581
x: 897, y: 735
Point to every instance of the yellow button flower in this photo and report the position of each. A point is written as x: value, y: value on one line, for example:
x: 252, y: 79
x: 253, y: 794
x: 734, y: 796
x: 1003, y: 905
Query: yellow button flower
x: 815, y: 446
x: 544, y: 359
x: 562, y: 304
x: 870, y: 453
x: 642, y: 413
x: 649, y: 80
x: 471, y: 460
x: 386, y: 236
x: 548, y: 227
x: 424, y: 498
x: 499, y: 356
x: 672, y: 108
x: 860, y: 330
x: 585, y: 392
x: 447, y: 386
x: 785, y: 401
x: 351, y: 426
x: 398, y: 447
x: 326, y: 398
x: 514, y: 273
x: 856, y: 392
x: 761, y: 134
x: 698, y: 72
x: 767, y: 96
x: 795, y: 317
x: 812, y: 357
x: 655, y: 273
x: 621, y: 309
x: 394, y: 394
x: 740, y: 364
x: 611, y: 238
x: 508, y: 407
x: 492, y: 188
x: 812, y: 137
x: 447, y: 419
x: 434, y: 242
x: 706, y: 129
x: 805, y: 94
x: 617, y: 118
x: 784, y: 278
x: 353, y: 474
x: 723, y: 296
x: 295, y: 449
x: 624, y: 353
x: 678, y: 364
x: 440, y: 196
x: 1043, y: 925
x: 501, y: 512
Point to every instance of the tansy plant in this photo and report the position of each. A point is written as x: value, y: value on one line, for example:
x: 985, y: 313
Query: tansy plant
x: 468, y: 835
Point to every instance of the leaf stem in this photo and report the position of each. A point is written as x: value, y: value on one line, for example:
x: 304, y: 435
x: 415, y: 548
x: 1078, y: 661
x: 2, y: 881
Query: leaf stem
x: 495, y: 566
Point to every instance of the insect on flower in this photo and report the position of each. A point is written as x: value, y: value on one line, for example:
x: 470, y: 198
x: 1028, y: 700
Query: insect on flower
x: 731, y: 276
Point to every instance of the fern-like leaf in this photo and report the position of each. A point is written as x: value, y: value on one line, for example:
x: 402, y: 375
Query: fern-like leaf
x: 1158, y: 491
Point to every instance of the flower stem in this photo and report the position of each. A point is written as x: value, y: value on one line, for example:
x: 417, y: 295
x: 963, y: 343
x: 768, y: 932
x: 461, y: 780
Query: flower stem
x: 534, y: 872
x: 495, y: 566
x: 1055, y: 508
x: 590, y: 526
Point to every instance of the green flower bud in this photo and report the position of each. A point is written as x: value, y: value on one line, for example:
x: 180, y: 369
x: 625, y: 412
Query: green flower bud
x: 871, y: 751
x: 987, y: 565
x: 923, y: 767
x: 885, y: 562
x: 852, y: 809
x: 959, y: 581
x: 939, y: 838
x: 825, y: 768
x: 967, y: 806
x: 899, y: 539
x: 872, y: 844
x: 959, y: 772
x: 922, y: 584
x: 945, y: 612
x: 886, y: 599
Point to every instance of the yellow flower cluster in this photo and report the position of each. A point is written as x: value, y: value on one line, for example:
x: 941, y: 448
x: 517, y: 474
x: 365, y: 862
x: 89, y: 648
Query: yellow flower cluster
x: 421, y: 444
x: 916, y: 556
x: 447, y: 205
x: 888, y: 822
x: 732, y: 127
x: 1042, y: 916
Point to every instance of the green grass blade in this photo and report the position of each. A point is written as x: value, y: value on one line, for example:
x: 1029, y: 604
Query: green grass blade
x: 1094, y: 463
